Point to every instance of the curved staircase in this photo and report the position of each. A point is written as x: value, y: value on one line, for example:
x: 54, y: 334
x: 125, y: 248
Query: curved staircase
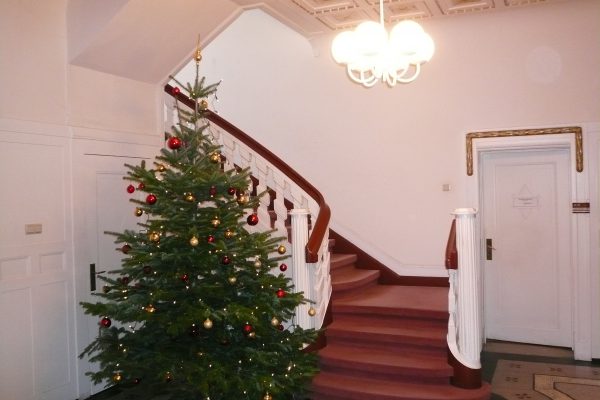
x: 386, y: 342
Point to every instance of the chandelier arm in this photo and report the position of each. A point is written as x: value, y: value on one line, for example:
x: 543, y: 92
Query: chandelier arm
x: 381, y: 20
x: 367, y: 81
x: 412, y: 77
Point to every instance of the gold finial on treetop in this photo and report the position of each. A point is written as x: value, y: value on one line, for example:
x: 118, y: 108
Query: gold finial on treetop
x: 198, y: 55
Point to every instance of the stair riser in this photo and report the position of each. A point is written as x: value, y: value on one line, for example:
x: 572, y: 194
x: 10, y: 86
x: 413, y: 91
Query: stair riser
x: 346, y: 290
x: 394, y: 374
x: 396, y: 347
x: 392, y: 321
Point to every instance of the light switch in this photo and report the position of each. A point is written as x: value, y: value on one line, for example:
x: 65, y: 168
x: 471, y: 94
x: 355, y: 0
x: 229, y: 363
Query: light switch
x: 32, y: 229
x: 446, y: 187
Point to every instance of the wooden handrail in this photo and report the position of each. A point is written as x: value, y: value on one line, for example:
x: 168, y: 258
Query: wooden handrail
x: 451, y: 251
x: 320, y: 227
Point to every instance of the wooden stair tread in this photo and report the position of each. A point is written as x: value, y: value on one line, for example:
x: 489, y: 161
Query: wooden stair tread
x: 386, y: 361
x: 351, y: 329
x: 342, y: 260
x: 401, y: 300
x: 350, y: 278
x: 355, y: 388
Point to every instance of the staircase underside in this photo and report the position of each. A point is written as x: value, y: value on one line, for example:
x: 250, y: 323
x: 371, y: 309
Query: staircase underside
x: 386, y: 342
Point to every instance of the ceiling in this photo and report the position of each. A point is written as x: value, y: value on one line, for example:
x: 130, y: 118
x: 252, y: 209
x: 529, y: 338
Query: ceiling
x: 314, y: 17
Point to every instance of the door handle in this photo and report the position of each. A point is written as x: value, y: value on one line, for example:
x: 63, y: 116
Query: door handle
x: 488, y: 249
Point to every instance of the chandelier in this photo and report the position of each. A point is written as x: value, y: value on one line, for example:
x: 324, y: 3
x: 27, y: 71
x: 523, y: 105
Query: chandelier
x: 370, y: 54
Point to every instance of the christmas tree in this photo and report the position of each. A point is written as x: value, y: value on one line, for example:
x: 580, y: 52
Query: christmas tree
x: 198, y: 309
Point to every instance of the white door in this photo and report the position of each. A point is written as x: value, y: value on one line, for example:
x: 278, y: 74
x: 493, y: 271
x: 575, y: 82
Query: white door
x: 102, y: 205
x: 526, y: 213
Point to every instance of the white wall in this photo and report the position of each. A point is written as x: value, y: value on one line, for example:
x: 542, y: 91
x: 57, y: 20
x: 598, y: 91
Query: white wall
x: 381, y: 155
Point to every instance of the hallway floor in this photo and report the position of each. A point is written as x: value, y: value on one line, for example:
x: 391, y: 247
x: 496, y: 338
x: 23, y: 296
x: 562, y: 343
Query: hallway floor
x: 518, y: 372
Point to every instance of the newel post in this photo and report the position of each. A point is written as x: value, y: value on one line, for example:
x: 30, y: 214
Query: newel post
x: 301, y: 274
x: 469, y: 299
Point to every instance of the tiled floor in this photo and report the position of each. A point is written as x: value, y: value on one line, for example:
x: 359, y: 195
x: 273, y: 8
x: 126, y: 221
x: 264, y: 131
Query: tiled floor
x: 531, y: 372
x: 521, y: 361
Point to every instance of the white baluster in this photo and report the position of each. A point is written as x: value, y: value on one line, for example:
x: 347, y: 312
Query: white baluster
x: 469, y: 287
x: 303, y: 279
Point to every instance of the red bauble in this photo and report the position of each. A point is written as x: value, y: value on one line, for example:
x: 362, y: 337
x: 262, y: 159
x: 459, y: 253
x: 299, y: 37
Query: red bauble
x: 226, y: 260
x: 280, y: 327
x: 130, y: 189
x: 231, y: 191
x: 212, y: 191
x: 106, y: 322
x: 248, y: 328
x: 185, y: 277
x: 283, y: 267
x: 137, y: 381
x: 175, y: 90
x: 147, y: 270
x: 174, y: 143
x: 141, y: 186
x: 252, y: 219
x: 210, y: 239
x: 125, y: 249
x: 151, y: 199
x: 280, y: 293
x: 125, y: 280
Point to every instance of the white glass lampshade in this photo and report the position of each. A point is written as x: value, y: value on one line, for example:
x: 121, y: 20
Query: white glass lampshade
x: 343, y: 48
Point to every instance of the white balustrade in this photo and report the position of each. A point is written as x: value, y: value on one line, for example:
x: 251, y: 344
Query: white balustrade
x: 465, y: 295
x: 311, y: 278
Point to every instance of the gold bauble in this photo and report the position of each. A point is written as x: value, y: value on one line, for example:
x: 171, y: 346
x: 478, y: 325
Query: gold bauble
x: 194, y: 241
x: 215, y: 222
x: 203, y: 104
x: 154, y: 236
x: 252, y: 335
x: 150, y: 308
x: 138, y: 212
x: 232, y: 280
x: 281, y: 249
x: 160, y: 168
x: 312, y: 312
x: 215, y: 157
x: 267, y: 397
x: 257, y: 263
x: 117, y: 377
x: 207, y: 323
x: 275, y: 322
x: 189, y: 197
x: 229, y: 233
x: 243, y: 198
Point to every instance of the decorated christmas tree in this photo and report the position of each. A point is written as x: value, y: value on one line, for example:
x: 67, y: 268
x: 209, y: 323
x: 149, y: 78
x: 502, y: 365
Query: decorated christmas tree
x: 198, y: 309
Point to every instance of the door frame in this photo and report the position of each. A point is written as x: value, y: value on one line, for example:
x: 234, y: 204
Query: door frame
x: 581, y: 273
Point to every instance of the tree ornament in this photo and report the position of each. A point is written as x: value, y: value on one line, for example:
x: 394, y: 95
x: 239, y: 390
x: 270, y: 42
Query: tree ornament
x: 150, y: 308
x: 175, y: 91
x: 215, y: 222
x: 125, y: 248
x: 243, y: 198
x: 281, y: 293
x: 275, y: 322
x: 106, y: 322
x: 154, y: 236
x: 125, y: 280
x: 151, y: 199
x: 106, y: 289
x: 226, y: 260
x: 280, y: 327
x: 189, y: 198
x: 194, y: 241
x: 248, y: 328
x: 257, y: 263
x: 137, y: 381
x: 117, y: 377
x: 232, y: 280
x: 283, y: 267
x: 312, y: 312
x: 267, y: 397
x: 281, y: 249
x: 231, y: 191
x: 174, y: 143
x: 212, y: 191
x: 168, y: 377
x: 138, y: 212
x: 203, y: 104
x: 147, y: 269
x: 210, y: 239
x: 252, y: 335
x: 252, y: 219
x: 229, y: 233
x: 215, y: 157
x: 160, y: 168
x: 141, y: 186
x: 185, y: 278
x: 130, y: 189
x: 207, y: 323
